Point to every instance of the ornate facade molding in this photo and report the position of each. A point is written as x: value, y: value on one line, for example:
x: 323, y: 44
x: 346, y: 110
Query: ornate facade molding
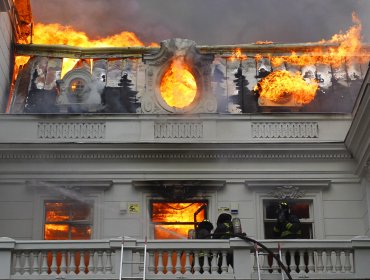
x: 178, y: 129
x: 287, y: 192
x: 285, y: 130
x: 71, y: 130
x: 172, y: 155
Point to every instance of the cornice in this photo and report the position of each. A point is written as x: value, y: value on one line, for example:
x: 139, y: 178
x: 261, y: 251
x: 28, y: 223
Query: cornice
x: 175, y: 155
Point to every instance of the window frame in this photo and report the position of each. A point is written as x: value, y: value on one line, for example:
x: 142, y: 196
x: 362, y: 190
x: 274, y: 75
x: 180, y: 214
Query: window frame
x: 70, y: 223
x: 93, y: 196
x: 310, y: 190
x: 310, y: 220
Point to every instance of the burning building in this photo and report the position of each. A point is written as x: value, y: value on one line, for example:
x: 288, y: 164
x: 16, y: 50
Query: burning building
x: 140, y: 143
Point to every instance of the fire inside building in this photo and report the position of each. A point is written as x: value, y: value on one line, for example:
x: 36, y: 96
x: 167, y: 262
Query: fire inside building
x: 113, y: 159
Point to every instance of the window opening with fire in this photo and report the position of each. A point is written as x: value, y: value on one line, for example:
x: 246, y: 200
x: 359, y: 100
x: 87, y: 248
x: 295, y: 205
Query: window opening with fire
x: 174, y: 220
x: 300, y: 208
x: 67, y: 220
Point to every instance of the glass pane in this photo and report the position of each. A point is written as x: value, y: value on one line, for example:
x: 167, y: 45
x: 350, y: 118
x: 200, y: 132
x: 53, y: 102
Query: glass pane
x: 307, y: 232
x: 80, y: 212
x: 299, y: 208
x: 178, y: 231
x: 80, y: 232
x: 176, y: 212
x: 56, y: 232
x: 56, y: 212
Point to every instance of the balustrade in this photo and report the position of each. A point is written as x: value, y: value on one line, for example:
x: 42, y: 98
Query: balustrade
x: 196, y: 259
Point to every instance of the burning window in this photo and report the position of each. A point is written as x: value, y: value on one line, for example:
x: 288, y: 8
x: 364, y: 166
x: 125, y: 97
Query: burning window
x: 178, y: 85
x: 67, y: 220
x: 173, y: 220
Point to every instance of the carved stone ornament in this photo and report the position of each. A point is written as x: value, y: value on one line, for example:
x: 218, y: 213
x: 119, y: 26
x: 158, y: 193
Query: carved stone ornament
x: 286, y: 192
x: 200, y: 67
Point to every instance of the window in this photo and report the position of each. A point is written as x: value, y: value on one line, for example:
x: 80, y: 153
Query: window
x: 67, y: 220
x: 301, y: 208
x: 173, y: 220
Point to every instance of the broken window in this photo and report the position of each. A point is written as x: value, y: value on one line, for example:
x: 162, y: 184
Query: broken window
x: 67, y: 220
x: 173, y: 220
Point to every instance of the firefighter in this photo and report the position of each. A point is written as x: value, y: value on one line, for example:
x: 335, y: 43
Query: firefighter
x: 287, y: 225
x: 224, y: 230
x: 204, y: 231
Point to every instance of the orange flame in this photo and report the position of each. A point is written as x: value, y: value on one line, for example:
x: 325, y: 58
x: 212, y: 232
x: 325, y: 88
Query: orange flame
x: 349, y: 47
x: 173, y: 220
x: 237, y: 54
x: 178, y: 85
x: 264, y: 42
x: 57, y: 34
x: 280, y: 86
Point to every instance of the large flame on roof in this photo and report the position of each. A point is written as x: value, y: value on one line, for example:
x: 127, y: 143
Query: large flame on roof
x: 56, y: 34
x: 178, y: 86
x: 349, y: 47
x: 281, y: 86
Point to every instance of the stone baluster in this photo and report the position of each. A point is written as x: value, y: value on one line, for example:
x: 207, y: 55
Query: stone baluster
x: 99, y: 267
x: 151, y: 268
x: 347, y: 262
x: 275, y: 266
x: 63, y: 263
x: 310, y: 264
x: 71, y: 270
x: 35, y: 263
x: 320, y: 265
x: 214, y: 265
x: 91, y: 266
x: 81, y: 264
x: 178, y: 262
x: 53, y: 265
x: 26, y: 266
x: 187, y: 262
x: 170, y: 262
x: 329, y: 264
x: 44, y: 263
x: 17, y: 268
x: 301, y: 265
x: 160, y: 267
x: 109, y: 266
x: 206, y: 264
x: 196, y: 267
x: 293, y: 264
x: 224, y: 262
x: 338, y: 262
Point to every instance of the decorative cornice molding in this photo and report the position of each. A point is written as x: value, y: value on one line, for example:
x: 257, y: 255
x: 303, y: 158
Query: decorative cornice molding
x: 75, y: 185
x: 284, y: 185
x: 288, y: 130
x: 71, y: 130
x: 178, y: 129
x: 287, y: 192
x: 175, y: 155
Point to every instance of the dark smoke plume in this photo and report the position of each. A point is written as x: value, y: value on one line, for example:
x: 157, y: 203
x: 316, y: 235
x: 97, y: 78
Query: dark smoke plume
x: 208, y: 21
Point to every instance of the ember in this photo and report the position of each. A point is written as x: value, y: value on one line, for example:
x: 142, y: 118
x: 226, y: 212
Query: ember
x: 281, y: 86
x: 178, y: 86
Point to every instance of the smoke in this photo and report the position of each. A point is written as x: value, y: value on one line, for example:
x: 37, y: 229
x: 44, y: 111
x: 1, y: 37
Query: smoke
x: 207, y: 21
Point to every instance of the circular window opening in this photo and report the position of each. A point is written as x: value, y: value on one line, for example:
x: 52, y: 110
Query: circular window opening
x: 76, y: 88
x: 178, y: 86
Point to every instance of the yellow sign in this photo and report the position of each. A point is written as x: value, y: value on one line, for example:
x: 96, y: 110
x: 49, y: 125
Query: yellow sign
x: 134, y: 208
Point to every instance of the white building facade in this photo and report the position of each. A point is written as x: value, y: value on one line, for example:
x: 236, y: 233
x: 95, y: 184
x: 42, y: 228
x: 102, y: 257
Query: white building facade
x: 104, y: 171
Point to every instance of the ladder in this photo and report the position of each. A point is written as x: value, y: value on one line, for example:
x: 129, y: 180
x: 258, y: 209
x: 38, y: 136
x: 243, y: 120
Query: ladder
x: 131, y: 262
x: 258, y: 263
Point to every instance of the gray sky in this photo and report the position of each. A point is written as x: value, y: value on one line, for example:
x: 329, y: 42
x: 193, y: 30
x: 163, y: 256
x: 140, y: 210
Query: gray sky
x: 208, y: 21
